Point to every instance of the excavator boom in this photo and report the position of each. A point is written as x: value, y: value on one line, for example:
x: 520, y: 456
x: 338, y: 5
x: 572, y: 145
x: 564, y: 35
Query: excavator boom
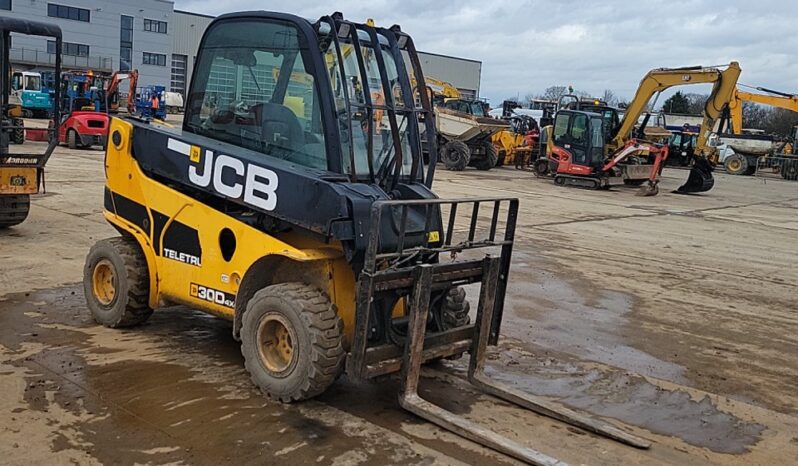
x: 771, y: 98
x: 664, y: 78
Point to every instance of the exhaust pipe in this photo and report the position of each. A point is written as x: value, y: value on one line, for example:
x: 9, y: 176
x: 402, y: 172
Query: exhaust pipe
x: 700, y: 179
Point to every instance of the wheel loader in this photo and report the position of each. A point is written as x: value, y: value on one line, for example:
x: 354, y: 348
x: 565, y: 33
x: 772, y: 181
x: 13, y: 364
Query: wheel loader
x: 21, y: 173
x: 293, y: 201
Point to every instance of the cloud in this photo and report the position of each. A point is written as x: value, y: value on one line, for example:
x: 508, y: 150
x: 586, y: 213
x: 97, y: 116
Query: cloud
x: 526, y: 46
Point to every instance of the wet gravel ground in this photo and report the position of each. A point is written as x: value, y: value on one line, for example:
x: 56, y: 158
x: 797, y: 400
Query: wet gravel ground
x: 672, y: 317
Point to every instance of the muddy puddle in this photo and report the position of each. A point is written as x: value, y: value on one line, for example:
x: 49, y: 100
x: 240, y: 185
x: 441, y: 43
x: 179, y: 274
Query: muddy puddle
x: 572, y: 316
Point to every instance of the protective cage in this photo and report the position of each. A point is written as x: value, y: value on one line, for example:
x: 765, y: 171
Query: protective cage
x: 415, y: 271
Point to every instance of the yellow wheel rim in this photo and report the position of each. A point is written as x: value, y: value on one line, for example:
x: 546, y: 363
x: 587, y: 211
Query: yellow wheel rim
x: 103, y: 282
x: 276, y: 339
x: 734, y: 165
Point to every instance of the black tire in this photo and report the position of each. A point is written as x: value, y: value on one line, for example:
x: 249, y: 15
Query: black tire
x: 541, y: 167
x: 789, y: 169
x: 736, y: 164
x: 456, y: 309
x: 489, y: 159
x: 502, y: 157
x: 455, y: 155
x: 18, y: 136
x: 128, y: 306
x: 14, y: 209
x: 72, y: 139
x: 315, y: 338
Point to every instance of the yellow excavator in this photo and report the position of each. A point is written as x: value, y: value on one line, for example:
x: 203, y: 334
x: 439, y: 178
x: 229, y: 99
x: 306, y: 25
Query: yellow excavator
x: 746, y: 149
x: 628, y: 133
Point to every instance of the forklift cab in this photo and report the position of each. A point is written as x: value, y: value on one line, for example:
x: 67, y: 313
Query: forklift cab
x: 582, y: 135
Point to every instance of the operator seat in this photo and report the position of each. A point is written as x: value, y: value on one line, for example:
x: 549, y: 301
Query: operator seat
x: 280, y: 128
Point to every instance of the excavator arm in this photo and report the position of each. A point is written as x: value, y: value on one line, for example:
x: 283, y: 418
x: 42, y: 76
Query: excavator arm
x: 116, y: 80
x: 773, y: 99
x: 725, y: 82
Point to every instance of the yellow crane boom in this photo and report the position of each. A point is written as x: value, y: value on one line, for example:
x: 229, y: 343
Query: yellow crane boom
x: 658, y: 80
x: 773, y: 99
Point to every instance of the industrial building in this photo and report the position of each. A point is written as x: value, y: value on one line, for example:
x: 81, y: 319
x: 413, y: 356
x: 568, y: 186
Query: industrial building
x: 154, y: 38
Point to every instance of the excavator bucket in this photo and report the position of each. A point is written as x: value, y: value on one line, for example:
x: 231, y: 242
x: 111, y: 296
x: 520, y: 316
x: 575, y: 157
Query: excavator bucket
x: 700, y: 179
x: 648, y: 189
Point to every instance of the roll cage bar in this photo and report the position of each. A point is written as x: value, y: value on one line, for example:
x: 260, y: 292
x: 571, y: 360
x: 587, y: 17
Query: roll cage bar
x: 343, y: 31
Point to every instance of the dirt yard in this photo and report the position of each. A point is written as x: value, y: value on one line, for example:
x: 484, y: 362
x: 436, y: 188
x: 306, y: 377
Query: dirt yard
x: 674, y: 317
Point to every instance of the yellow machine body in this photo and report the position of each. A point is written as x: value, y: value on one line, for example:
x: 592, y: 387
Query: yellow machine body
x: 22, y: 180
x: 213, y: 285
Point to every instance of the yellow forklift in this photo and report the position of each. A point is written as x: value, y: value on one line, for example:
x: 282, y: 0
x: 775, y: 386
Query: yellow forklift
x: 296, y: 204
x: 21, y: 173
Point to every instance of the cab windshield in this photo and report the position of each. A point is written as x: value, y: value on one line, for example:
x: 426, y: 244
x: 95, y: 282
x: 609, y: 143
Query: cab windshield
x: 33, y: 83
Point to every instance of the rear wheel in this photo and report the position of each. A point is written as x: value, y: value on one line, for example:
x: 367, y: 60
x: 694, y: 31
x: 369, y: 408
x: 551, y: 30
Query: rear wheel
x: 455, y: 155
x: 14, y: 209
x: 72, y: 139
x: 292, y: 341
x: 490, y: 157
x: 789, y: 170
x: 736, y: 164
x: 116, y: 283
x: 18, y: 136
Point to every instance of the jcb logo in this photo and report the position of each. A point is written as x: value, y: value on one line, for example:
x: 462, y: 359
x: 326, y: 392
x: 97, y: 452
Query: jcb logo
x: 259, y: 188
x: 212, y: 296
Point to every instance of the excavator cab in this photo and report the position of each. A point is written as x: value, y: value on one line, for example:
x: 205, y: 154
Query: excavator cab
x: 579, y: 140
x: 294, y: 202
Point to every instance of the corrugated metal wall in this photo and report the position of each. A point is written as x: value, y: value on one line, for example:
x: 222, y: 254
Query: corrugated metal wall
x: 464, y: 74
x: 187, y: 30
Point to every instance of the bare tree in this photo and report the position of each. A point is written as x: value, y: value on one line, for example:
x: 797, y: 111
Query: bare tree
x: 696, y: 103
x: 609, y: 97
x: 554, y: 92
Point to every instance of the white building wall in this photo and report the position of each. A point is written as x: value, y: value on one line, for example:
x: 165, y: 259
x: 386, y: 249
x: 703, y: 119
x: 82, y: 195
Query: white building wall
x: 102, y: 33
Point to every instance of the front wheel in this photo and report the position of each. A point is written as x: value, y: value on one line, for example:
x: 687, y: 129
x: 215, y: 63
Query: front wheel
x: 116, y: 283
x: 292, y: 341
x: 72, y: 139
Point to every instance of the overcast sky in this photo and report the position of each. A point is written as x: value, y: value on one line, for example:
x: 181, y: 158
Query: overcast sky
x: 526, y: 46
